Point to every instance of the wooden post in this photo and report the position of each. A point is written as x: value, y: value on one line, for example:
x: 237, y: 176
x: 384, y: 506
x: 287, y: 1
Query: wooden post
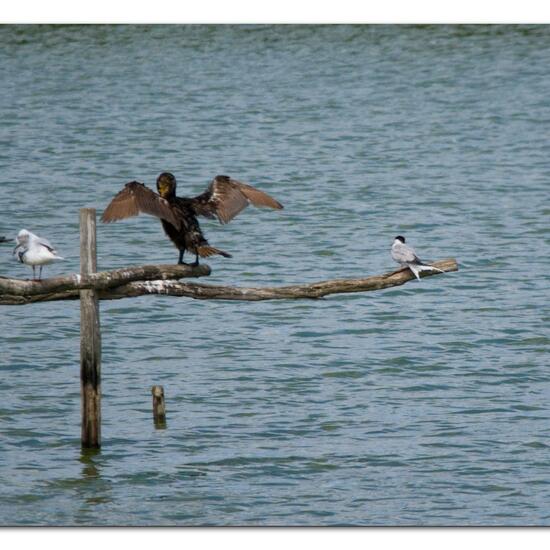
x: 159, y: 408
x: 90, y: 337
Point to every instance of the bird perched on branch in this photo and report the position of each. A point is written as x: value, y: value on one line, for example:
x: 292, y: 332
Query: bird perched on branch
x: 406, y: 256
x: 223, y: 199
x: 34, y: 251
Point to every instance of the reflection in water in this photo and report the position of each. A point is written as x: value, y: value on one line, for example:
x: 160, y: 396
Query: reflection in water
x: 90, y: 469
x: 93, y: 488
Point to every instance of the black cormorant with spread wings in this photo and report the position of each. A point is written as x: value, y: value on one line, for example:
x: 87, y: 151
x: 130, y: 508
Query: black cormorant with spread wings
x: 223, y: 199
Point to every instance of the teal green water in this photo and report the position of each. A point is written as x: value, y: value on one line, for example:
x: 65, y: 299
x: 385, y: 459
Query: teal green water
x: 425, y: 404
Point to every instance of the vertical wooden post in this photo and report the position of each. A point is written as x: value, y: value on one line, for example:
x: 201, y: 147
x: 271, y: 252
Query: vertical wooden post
x: 90, y: 337
x: 159, y: 408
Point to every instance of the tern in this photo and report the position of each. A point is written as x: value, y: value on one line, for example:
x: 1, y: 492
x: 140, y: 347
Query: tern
x: 34, y: 251
x: 405, y: 255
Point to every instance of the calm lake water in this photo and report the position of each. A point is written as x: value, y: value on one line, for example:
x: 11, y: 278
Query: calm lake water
x: 427, y: 404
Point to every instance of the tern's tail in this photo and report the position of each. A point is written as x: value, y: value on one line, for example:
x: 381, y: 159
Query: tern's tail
x: 56, y: 257
x: 425, y: 267
x: 417, y: 268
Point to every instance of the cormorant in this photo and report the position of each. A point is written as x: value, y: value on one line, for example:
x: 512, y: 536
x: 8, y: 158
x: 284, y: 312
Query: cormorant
x: 224, y: 198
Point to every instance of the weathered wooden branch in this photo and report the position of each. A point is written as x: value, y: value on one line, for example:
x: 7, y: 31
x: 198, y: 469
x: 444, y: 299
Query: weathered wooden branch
x: 129, y: 285
x: 17, y: 291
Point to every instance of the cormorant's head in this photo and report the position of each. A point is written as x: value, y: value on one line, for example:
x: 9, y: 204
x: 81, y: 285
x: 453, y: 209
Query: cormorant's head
x: 166, y: 185
x: 400, y: 238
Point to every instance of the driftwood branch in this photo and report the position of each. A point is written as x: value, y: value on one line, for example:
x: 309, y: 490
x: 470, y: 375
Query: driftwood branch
x: 17, y: 291
x: 126, y: 283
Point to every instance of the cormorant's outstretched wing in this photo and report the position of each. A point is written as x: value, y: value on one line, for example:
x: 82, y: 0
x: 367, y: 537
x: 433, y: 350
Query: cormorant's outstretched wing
x: 136, y: 198
x: 226, y: 197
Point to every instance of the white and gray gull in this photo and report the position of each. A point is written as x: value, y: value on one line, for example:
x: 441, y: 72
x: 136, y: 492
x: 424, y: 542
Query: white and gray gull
x: 405, y: 256
x: 34, y: 251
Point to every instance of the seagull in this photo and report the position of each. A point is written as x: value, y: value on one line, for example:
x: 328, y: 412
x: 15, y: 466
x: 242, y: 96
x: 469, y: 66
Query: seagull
x: 406, y: 256
x: 34, y: 250
x: 223, y: 199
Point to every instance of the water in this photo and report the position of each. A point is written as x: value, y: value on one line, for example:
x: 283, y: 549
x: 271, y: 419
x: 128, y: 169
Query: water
x: 426, y: 404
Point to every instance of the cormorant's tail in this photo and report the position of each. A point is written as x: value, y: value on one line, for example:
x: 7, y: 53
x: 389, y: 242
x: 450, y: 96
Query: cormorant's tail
x: 207, y: 250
